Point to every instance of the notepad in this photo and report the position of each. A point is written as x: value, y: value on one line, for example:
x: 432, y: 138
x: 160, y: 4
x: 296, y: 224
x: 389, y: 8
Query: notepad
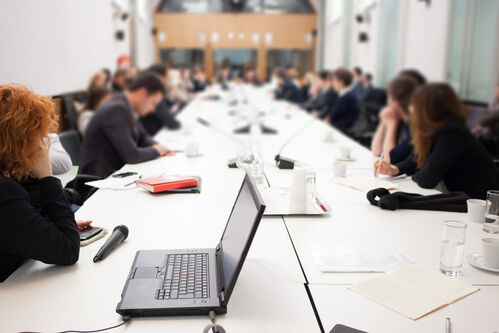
x: 365, y: 183
x: 414, y: 291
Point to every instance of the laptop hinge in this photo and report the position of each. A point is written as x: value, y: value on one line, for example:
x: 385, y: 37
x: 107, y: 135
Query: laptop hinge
x: 220, y: 274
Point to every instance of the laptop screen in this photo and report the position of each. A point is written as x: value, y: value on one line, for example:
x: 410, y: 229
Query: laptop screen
x: 238, y: 230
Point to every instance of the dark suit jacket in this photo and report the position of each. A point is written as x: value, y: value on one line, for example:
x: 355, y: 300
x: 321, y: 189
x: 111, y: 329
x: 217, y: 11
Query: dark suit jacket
x: 114, y: 138
x: 161, y: 117
x: 37, y: 223
x: 345, y: 111
x: 289, y: 92
x: 198, y: 85
x: 322, y: 103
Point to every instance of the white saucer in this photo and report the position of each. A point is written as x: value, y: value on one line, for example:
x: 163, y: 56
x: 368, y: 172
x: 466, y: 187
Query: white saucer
x: 350, y: 159
x: 476, y: 259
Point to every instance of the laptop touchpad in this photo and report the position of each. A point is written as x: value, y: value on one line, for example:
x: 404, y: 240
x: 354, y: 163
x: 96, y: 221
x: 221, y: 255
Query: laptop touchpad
x: 145, y: 273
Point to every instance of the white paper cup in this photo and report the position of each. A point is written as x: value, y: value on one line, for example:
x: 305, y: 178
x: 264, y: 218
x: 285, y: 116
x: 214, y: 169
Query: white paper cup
x: 345, y: 152
x: 298, y: 192
x: 476, y: 210
x: 339, y: 169
x: 491, y: 252
x: 192, y: 149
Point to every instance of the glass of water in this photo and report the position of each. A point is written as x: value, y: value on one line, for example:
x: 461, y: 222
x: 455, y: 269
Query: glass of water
x: 451, y: 257
x: 491, y: 223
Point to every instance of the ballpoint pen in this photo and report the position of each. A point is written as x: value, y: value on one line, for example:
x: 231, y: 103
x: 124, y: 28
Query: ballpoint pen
x: 379, y: 165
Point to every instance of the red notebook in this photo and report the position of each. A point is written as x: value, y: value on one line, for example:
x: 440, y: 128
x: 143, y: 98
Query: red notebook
x: 166, y: 183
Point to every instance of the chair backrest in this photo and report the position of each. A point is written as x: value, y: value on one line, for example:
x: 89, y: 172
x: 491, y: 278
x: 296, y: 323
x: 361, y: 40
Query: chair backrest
x: 70, y: 140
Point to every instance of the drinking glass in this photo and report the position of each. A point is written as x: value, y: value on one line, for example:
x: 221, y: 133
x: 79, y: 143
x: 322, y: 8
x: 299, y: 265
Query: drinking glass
x: 491, y: 223
x: 451, y: 257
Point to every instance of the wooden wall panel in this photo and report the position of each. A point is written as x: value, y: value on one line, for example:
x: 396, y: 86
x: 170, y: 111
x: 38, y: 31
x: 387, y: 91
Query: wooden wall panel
x: 183, y: 30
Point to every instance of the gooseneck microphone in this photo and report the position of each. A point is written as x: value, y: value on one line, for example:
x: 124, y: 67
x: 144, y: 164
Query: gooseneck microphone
x: 288, y: 163
x: 120, y: 233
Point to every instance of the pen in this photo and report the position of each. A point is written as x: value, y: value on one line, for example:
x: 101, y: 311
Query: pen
x: 126, y: 185
x: 379, y: 165
x: 447, y: 325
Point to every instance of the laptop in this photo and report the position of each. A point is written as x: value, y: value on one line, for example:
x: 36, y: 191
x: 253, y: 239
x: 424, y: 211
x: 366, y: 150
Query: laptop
x: 194, y: 281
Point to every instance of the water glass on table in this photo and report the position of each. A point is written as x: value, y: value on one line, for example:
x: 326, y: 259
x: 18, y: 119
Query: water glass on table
x: 451, y: 257
x: 491, y: 224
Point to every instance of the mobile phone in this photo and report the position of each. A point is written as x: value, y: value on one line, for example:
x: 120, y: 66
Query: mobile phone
x: 124, y: 174
x: 89, y: 233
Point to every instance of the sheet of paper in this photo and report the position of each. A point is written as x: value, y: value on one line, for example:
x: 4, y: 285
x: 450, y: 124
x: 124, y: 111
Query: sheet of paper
x: 112, y: 183
x: 364, y: 183
x: 414, y: 291
x: 358, y: 258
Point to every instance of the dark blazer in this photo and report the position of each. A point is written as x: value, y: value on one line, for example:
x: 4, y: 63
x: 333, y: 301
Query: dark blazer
x: 114, y: 138
x: 289, y: 92
x: 344, y: 113
x: 322, y: 103
x: 161, y: 117
x: 458, y: 160
x: 198, y: 86
x: 404, y: 147
x: 36, y: 223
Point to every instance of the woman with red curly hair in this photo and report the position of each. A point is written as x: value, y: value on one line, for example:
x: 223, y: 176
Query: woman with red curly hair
x: 36, y: 219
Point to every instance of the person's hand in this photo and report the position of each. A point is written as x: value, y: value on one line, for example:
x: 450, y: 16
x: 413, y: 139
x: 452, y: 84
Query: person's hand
x: 83, y: 224
x: 41, y: 166
x: 385, y: 168
x: 163, y: 151
x: 388, y: 113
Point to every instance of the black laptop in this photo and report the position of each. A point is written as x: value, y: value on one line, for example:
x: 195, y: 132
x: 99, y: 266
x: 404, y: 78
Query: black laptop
x: 194, y: 281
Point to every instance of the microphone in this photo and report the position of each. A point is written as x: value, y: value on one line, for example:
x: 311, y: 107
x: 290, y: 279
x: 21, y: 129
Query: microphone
x: 206, y: 123
x: 288, y: 163
x: 120, y: 233
x: 232, y: 163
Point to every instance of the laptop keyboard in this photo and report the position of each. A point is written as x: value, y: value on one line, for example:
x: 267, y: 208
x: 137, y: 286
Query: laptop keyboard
x: 186, y: 276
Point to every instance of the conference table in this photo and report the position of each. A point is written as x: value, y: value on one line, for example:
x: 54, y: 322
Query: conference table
x: 280, y: 287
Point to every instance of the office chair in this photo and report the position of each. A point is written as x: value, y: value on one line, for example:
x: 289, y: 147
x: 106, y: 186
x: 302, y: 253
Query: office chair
x: 76, y: 190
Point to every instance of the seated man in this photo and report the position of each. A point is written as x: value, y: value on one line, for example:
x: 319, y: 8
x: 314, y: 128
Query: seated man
x: 162, y: 116
x: 286, y: 89
x: 367, y: 82
x: 344, y: 113
x: 114, y: 137
x: 250, y: 77
x: 325, y: 98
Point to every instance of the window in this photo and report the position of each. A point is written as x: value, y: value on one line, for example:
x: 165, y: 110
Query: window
x: 300, y: 59
x: 248, y: 6
x: 188, y: 58
x: 237, y: 59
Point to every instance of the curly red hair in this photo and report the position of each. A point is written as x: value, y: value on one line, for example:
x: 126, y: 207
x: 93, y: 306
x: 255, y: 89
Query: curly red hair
x: 25, y: 121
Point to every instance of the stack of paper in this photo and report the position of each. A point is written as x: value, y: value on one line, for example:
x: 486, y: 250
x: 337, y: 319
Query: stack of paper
x: 414, y: 291
x: 358, y: 258
x: 365, y: 183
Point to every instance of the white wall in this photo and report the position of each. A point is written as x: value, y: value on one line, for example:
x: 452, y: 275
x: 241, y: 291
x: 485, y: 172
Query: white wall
x: 365, y: 55
x: 54, y: 46
x: 144, y: 52
x: 426, y: 38
x: 423, y: 33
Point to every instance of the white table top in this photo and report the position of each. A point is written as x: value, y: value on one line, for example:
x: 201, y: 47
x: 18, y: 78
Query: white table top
x: 270, y: 295
x: 337, y: 304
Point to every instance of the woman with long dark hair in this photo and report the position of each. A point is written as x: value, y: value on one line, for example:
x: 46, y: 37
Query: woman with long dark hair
x: 445, y: 152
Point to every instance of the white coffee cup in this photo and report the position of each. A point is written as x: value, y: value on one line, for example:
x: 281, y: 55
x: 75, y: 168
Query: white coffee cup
x: 298, y: 192
x: 491, y: 252
x: 476, y: 210
x: 339, y: 169
x: 345, y: 152
x: 192, y: 149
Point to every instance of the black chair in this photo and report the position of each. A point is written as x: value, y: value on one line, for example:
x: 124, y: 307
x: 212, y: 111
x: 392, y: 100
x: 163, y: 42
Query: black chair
x: 76, y: 190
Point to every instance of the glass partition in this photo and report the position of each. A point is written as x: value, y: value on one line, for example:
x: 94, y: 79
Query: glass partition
x: 188, y: 58
x: 299, y: 59
x: 237, y: 59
